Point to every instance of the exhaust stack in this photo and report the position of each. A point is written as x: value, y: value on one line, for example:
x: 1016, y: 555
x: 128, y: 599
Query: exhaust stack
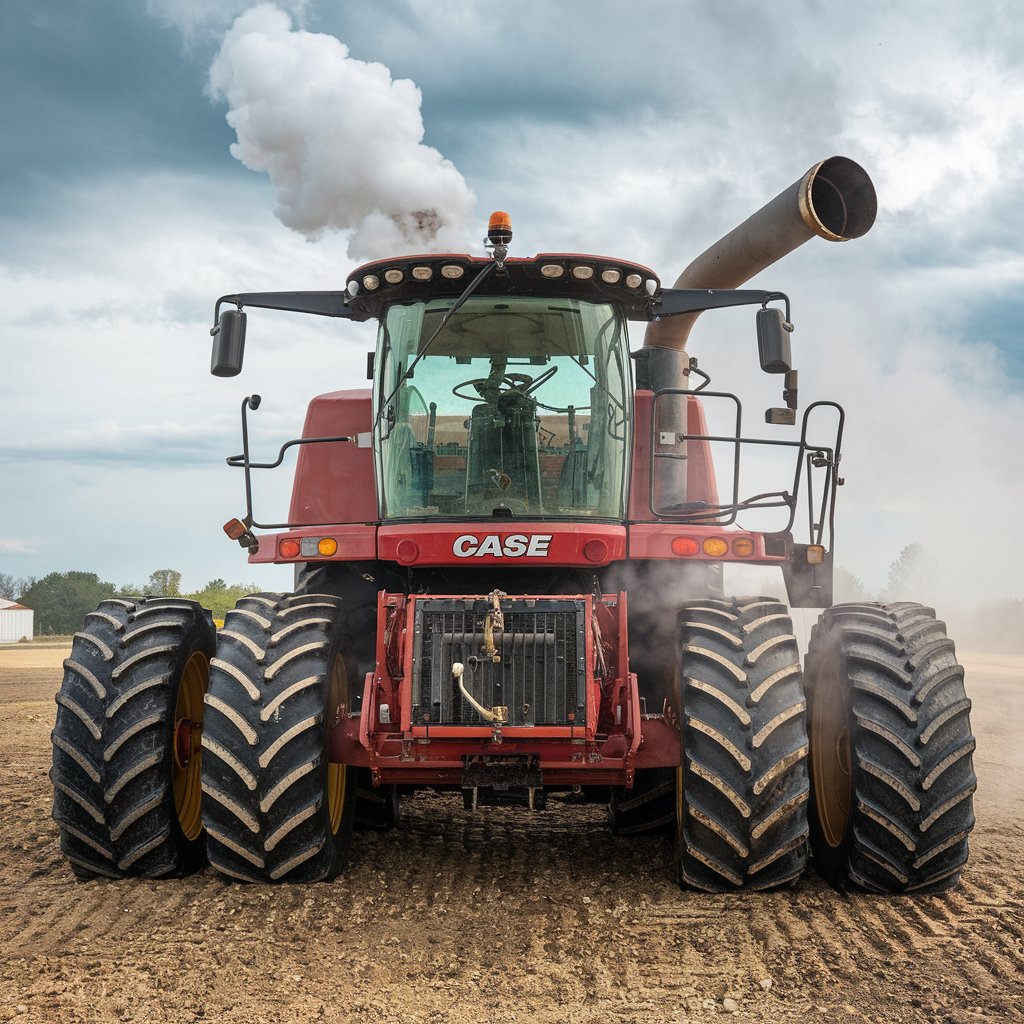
x: 834, y: 200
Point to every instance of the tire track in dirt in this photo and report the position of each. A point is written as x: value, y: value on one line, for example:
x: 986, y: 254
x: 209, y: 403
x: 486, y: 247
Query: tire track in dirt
x: 461, y: 917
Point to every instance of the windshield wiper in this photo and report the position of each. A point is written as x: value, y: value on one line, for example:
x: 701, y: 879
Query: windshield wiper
x: 407, y: 373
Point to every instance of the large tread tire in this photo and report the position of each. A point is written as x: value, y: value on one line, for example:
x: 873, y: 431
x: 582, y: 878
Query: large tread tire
x: 741, y: 813
x: 125, y: 806
x: 649, y: 808
x: 891, y: 807
x: 274, y: 808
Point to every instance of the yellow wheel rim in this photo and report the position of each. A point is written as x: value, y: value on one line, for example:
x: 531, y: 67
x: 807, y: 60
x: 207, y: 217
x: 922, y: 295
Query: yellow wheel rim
x: 337, y: 774
x: 830, y: 753
x: 186, y: 740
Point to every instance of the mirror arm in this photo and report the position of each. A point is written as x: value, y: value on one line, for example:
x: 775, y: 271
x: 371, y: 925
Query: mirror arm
x: 695, y: 300
x: 318, y: 303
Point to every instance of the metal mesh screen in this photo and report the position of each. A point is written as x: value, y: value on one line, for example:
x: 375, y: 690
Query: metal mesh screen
x: 540, y: 678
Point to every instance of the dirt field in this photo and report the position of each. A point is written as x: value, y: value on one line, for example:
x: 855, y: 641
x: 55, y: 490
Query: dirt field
x: 501, y: 916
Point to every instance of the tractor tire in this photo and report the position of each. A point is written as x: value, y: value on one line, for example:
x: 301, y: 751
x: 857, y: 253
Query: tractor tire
x: 891, y: 750
x: 649, y: 808
x: 126, y: 757
x: 742, y: 789
x: 274, y: 807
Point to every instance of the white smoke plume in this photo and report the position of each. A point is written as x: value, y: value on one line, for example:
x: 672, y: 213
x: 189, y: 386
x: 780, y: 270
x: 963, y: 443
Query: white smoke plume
x: 340, y: 139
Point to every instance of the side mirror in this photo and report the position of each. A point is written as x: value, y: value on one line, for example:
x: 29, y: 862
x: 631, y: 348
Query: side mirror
x: 228, y: 344
x: 773, y: 341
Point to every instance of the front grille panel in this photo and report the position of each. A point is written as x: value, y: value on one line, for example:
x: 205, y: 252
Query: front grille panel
x: 541, y: 677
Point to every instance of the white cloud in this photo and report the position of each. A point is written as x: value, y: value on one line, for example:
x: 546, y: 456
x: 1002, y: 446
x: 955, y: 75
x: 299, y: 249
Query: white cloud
x: 340, y: 139
x: 15, y: 545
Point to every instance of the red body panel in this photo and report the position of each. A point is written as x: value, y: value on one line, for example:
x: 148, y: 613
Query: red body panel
x: 357, y: 542
x: 334, y: 483
x: 700, y: 470
x: 654, y: 540
x: 486, y: 543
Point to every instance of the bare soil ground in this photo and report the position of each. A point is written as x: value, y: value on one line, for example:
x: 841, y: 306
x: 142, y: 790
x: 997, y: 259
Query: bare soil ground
x: 501, y: 916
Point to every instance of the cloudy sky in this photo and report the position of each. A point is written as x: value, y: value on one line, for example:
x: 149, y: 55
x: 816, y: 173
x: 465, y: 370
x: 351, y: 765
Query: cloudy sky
x: 159, y: 153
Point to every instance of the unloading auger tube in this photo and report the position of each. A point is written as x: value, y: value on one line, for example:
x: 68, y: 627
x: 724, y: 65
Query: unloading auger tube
x: 834, y: 200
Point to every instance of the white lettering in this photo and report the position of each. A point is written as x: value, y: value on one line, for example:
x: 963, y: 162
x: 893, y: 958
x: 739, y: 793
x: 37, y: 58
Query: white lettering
x: 490, y: 545
x: 462, y: 546
x: 538, y: 546
x: 516, y: 545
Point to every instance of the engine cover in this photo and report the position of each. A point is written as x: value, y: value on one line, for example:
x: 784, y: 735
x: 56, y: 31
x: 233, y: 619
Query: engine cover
x: 540, y: 675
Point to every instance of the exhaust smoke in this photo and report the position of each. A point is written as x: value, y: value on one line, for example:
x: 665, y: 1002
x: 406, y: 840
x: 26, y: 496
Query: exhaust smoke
x: 341, y: 140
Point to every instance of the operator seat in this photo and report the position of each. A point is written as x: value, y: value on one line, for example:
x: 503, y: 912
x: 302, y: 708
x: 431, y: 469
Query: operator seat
x: 503, y: 462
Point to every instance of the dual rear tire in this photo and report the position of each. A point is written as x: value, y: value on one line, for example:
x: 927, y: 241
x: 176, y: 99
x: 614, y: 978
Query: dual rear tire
x: 864, y: 759
x: 174, y: 745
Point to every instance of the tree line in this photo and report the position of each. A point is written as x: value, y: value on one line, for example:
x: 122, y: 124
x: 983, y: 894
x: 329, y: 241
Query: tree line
x: 61, y: 600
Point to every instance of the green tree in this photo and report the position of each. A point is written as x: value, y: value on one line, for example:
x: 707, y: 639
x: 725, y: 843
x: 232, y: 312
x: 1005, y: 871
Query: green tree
x: 163, y: 583
x: 221, y: 597
x: 62, y: 600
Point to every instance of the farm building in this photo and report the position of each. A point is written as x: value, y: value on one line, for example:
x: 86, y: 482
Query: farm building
x: 15, y: 622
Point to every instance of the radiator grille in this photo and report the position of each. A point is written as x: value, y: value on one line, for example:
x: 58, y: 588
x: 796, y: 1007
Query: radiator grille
x: 541, y: 677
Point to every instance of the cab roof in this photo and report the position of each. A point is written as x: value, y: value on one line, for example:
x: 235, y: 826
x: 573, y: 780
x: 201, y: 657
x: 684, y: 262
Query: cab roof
x: 375, y: 285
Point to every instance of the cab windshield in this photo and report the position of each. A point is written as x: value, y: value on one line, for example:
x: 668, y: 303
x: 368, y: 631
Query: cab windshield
x: 520, y: 407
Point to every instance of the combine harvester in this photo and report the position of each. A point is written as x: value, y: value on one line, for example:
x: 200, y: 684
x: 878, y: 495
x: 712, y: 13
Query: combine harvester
x: 509, y: 582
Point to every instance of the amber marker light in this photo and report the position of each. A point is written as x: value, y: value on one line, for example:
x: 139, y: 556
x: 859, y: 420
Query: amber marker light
x: 234, y: 528
x: 743, y: 547
x: 499, y: 227
x: 393, y: 276
x: 327, y: 547
x: 289, y: 549
x: 815, y: 554
x: 684, y: 546
x: 715, y: 547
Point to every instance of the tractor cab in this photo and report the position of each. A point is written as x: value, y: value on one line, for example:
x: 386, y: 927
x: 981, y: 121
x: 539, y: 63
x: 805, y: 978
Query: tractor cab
x: 519, y: 406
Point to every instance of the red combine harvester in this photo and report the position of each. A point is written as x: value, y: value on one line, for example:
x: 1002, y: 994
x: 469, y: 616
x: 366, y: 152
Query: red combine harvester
x: 509, y: 582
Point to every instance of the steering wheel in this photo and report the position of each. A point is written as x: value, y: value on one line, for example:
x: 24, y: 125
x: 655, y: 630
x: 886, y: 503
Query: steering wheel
x: 522, y: 383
